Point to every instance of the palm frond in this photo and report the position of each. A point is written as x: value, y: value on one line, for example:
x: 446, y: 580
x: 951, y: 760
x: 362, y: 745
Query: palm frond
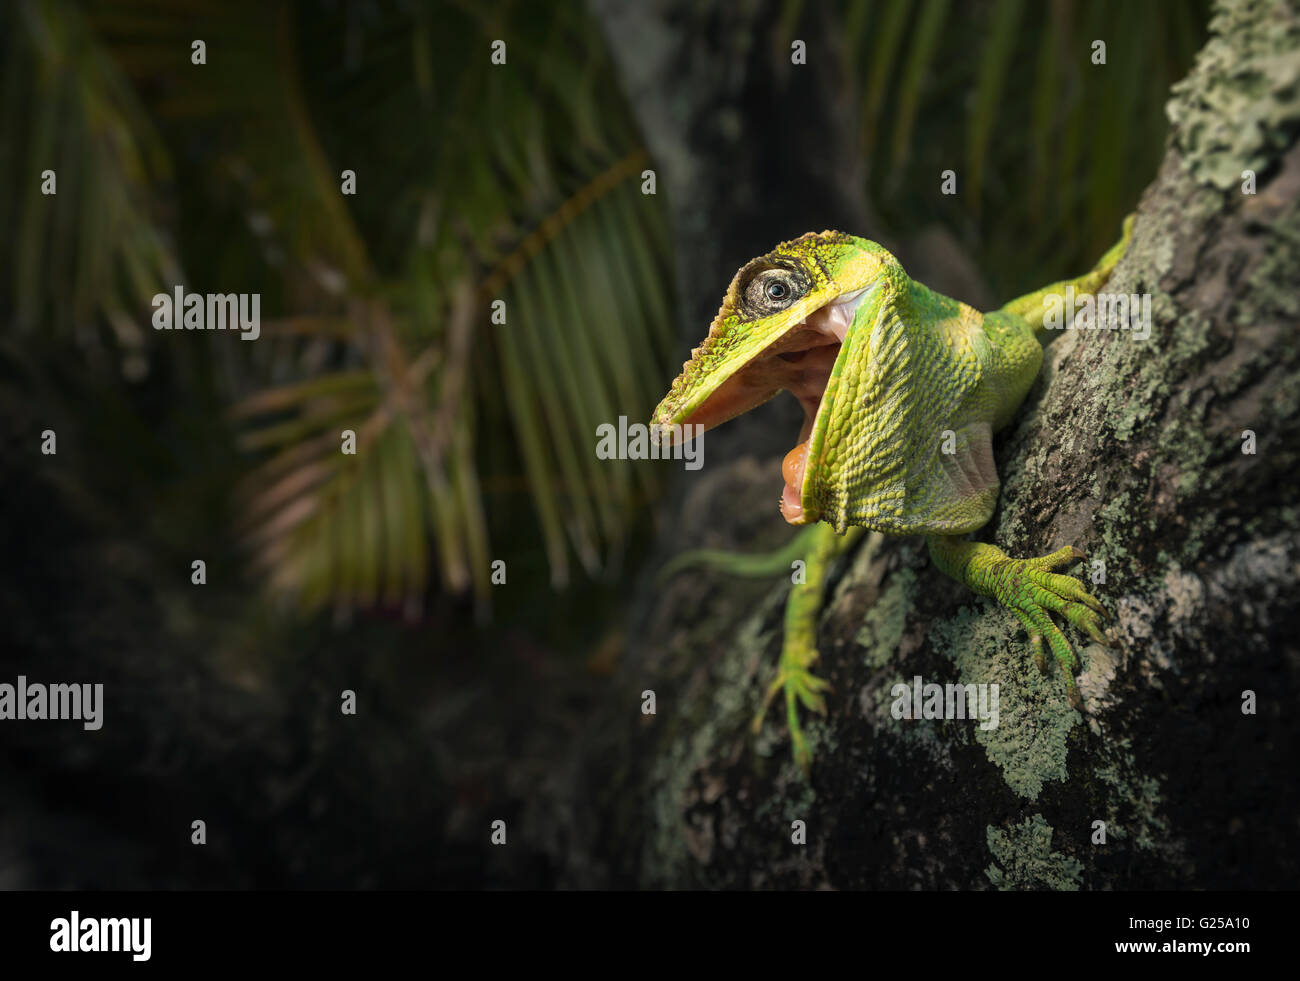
x: 540, y: 211
x: 1052, y: 141
x: 94, y: 252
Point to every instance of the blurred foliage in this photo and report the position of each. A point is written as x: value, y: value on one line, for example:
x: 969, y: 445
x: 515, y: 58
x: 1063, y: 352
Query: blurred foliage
x: 476, y: 182
x: 1005, y: 93
x: 100, y: 246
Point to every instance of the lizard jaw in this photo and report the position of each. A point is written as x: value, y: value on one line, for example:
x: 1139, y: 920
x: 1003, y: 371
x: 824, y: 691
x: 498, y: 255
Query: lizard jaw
x: 800, y: 360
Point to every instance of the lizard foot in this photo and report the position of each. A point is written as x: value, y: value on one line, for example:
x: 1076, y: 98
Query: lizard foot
x: 801, y: 687
x: 1032, y: 592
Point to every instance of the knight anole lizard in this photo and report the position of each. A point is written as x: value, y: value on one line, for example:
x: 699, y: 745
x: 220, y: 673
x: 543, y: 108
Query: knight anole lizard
x: 902, y: 390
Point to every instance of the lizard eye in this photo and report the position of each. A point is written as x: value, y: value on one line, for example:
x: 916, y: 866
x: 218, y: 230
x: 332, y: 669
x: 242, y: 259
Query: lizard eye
x: 772, y: 291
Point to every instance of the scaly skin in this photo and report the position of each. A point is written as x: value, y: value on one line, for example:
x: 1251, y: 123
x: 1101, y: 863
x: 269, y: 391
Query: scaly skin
x: 747, y: 566
x: 1030, y: 590
x: 799, y: 649
x: 900, y: 442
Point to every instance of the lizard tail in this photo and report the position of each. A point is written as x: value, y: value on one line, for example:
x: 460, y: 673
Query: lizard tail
x: 740, y: 564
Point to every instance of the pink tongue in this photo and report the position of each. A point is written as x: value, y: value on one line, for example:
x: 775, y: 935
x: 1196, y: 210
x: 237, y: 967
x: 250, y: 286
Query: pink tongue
x: 792, y: 468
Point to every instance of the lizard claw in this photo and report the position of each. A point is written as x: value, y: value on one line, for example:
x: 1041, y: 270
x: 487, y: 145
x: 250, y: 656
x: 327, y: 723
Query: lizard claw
x: 1033, y: 593
x: 801, y: 687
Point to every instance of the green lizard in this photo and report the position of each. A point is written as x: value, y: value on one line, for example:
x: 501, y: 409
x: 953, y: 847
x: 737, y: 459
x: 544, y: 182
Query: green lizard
x: 902, y: 390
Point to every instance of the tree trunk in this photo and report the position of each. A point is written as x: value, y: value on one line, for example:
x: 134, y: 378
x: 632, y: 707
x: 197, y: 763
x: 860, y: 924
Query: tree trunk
x: 1171, y: 460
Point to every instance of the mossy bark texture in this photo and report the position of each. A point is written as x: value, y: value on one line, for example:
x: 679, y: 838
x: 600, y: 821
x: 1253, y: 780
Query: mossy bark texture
x: 1171, y: 461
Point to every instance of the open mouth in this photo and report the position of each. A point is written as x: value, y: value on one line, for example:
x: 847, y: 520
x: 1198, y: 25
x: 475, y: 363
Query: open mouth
x: 805, y: 357
x: 799, y: 361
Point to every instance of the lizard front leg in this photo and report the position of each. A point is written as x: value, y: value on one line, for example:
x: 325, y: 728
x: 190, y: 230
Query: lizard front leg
x: 799, y: 646
x: 1031, y: 591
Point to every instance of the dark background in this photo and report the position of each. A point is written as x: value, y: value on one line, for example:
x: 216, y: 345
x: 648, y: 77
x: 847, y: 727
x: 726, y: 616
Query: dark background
x: 476, y: 182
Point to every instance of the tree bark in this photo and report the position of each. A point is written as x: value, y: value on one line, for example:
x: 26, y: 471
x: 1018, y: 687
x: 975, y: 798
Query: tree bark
x: 1135, y: 451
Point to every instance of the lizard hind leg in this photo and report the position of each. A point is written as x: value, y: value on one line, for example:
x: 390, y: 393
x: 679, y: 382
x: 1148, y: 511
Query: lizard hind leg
x: 794, y: 677
x: 1033, y: 306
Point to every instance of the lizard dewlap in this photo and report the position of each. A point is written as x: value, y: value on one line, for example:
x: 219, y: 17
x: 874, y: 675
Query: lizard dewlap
x: 792, y: 468
x: 902, y: 390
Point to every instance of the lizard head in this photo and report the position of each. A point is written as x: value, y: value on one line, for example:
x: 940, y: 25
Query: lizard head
x: 783, y: 325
